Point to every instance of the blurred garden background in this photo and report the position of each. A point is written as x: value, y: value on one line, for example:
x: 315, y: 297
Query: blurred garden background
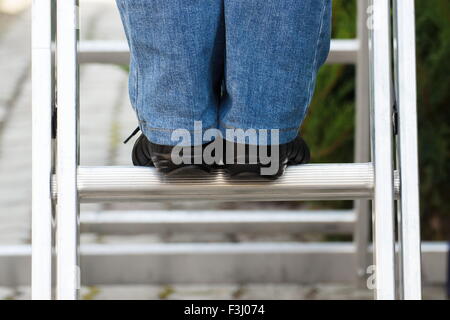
x: 329, y: 128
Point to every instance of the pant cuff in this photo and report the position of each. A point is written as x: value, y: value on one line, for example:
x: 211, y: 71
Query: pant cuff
x: 258, y: 136
x: 180, y: 136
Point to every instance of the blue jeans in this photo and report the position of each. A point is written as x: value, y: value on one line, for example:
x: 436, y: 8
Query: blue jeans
x: 247, y: 64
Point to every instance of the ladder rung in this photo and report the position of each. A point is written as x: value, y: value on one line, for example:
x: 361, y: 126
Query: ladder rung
x: 117, y: 52
x: 306, y: 182
x: 139, y: 222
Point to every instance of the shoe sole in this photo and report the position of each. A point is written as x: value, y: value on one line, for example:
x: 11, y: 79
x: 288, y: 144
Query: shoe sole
x: 187, y: 171
x: 251, y: 172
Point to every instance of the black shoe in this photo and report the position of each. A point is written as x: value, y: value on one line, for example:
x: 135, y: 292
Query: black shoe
x: 292, y: 153
x: 148, y: 154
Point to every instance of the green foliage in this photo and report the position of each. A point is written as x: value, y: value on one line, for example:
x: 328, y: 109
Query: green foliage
x: 433, y: 70
x: 329, y: 127
x: 330, y: 124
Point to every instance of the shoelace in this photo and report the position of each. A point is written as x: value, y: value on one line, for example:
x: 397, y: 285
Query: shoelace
x: 132, y: 135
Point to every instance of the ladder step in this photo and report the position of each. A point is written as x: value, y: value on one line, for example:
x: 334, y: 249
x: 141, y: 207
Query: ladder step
x: 272, y: 262
x: 117, y: 52
x: 141, y: 222
x: 306, y: 182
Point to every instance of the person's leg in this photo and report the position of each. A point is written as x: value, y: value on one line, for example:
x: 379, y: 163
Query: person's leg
x: 274, y: 49
x: 176, y: 63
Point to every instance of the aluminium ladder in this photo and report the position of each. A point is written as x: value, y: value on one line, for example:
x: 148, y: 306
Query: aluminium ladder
x: 59, y: 183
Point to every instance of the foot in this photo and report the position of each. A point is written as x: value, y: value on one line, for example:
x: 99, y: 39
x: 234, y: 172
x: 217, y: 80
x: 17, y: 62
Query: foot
x: 148, y: 154
x: 292, y: 153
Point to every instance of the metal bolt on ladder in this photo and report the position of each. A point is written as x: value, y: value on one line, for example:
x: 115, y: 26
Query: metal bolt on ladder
x: 60, y: 184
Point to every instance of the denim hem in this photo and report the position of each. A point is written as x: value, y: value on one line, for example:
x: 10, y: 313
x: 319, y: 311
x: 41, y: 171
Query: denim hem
x: 285, y: 135
x: 172, y: 137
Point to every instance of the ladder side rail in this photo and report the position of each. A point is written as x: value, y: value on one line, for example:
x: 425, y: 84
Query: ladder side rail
x: 382, y: 155
x: 362, y: 141
x: 67, y: 265
x: 42, y: 89
x: 398, y: 208
x: 409, y: 226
